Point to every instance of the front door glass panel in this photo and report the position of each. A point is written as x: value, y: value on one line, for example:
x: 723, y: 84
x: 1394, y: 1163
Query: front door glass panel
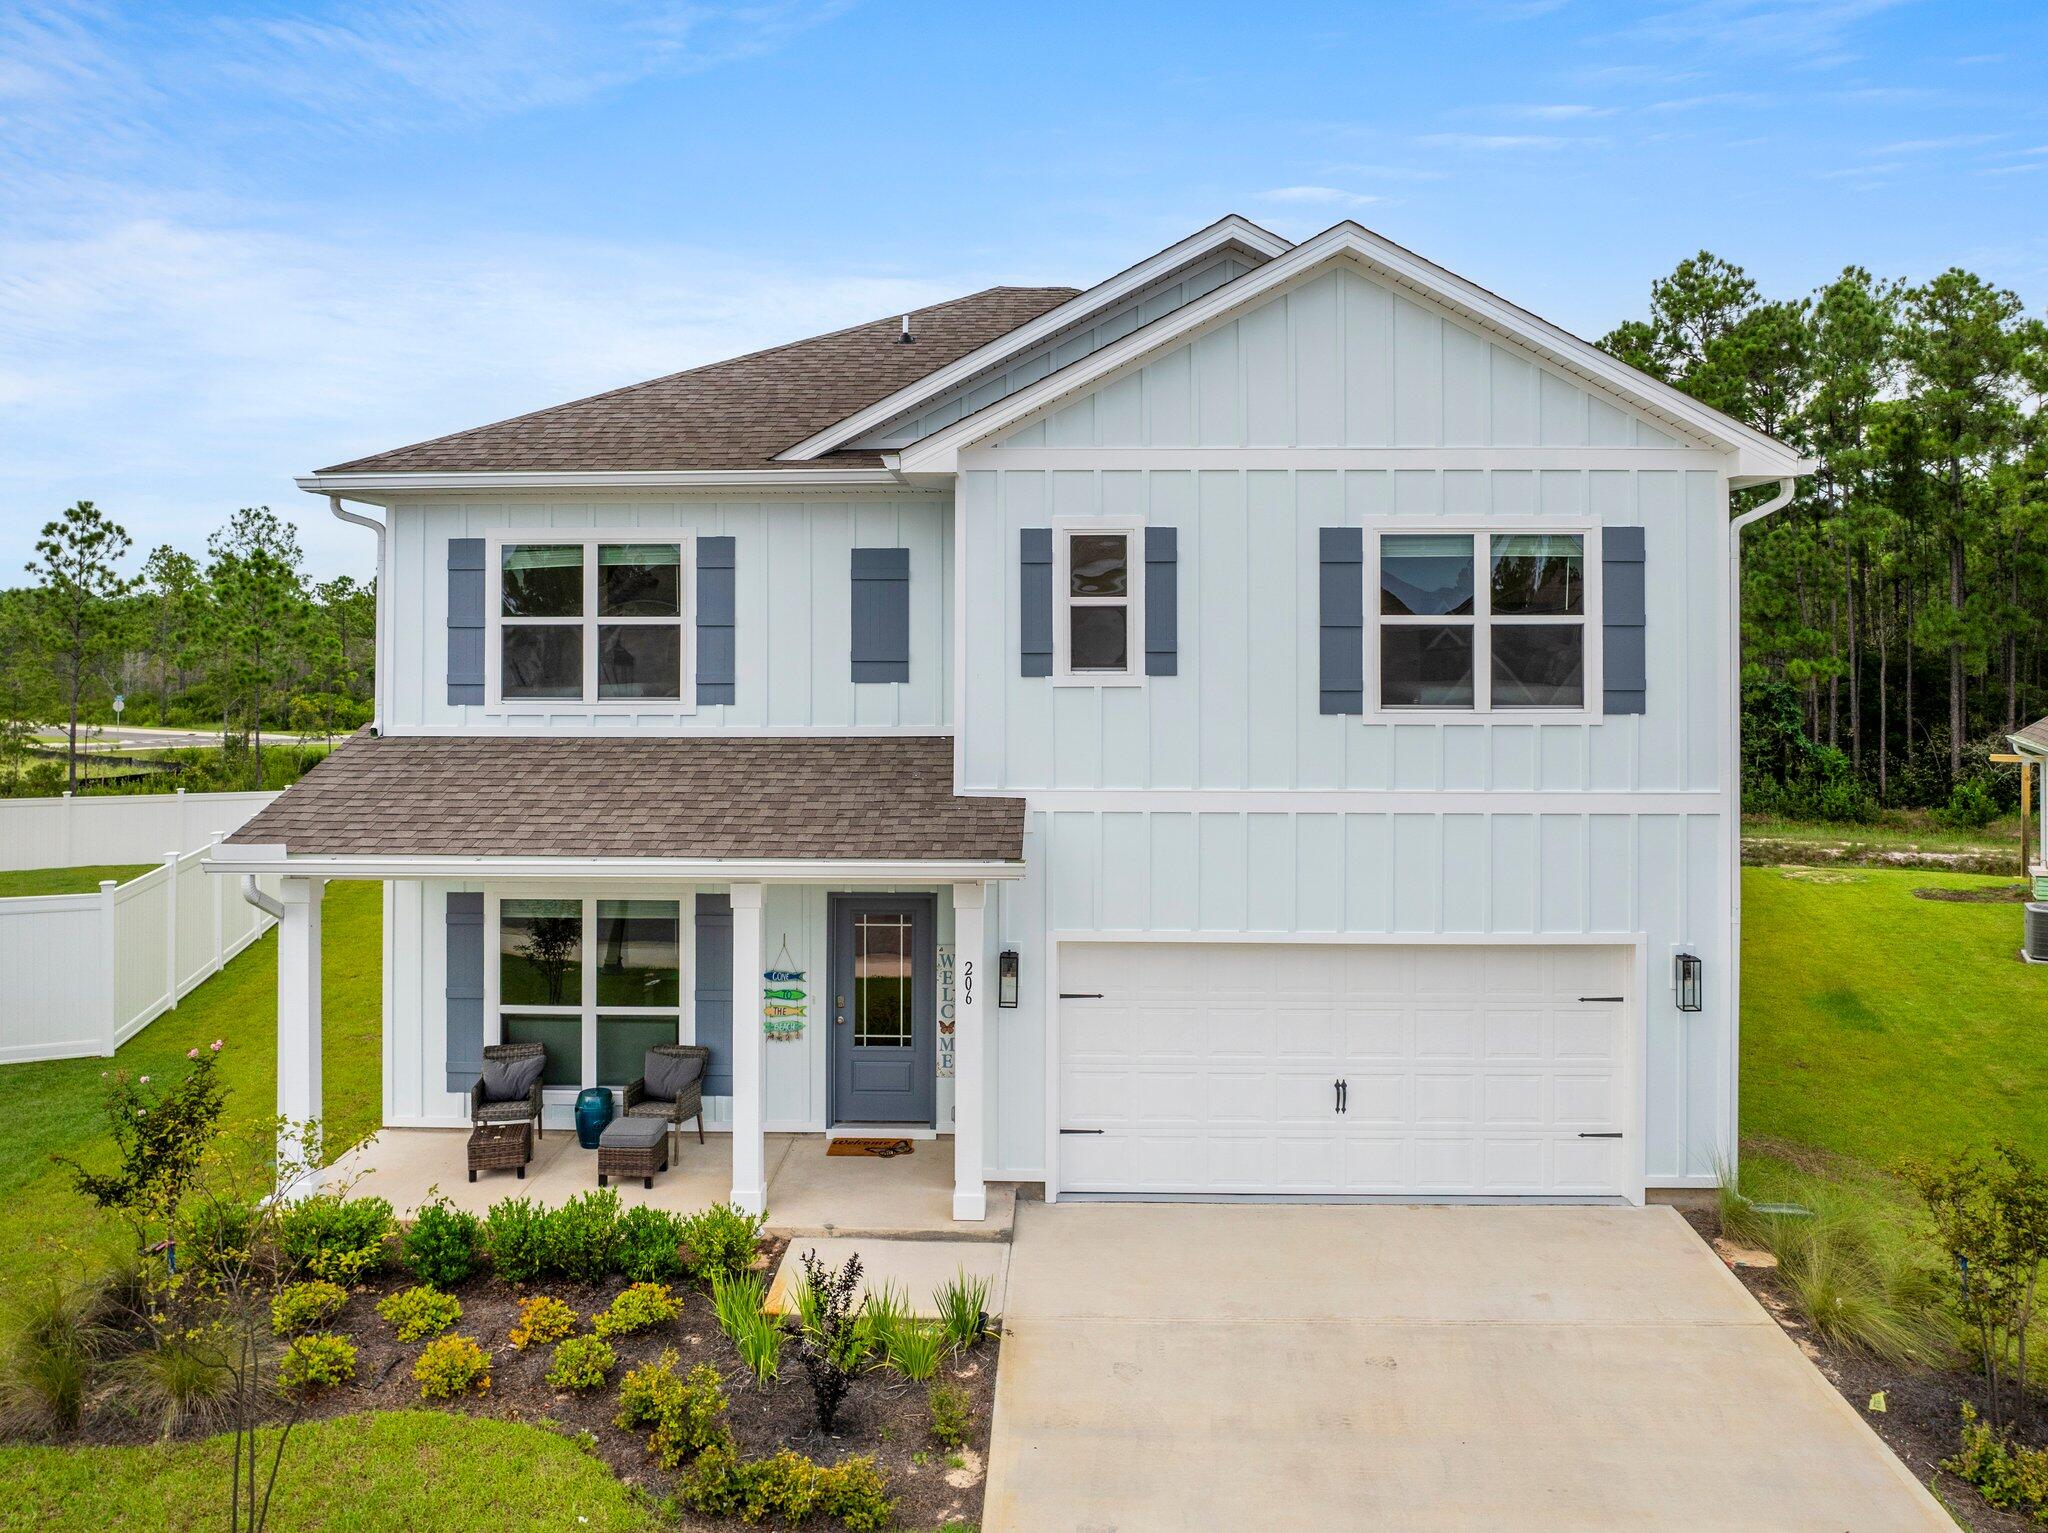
x: 882, y: 951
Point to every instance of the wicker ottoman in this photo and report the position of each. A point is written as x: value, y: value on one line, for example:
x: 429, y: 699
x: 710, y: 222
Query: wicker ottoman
x: 632, y: 1147
x: 500, y: 1147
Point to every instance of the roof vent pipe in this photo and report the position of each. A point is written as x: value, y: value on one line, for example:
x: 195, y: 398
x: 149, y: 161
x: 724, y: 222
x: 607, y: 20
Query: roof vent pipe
x: 906, y: 337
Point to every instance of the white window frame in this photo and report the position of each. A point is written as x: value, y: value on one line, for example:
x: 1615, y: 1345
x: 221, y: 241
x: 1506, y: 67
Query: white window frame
x: 495, y: 621
x: 586, y: 1005
x: 1063, y: 534
x: 1482, y: 621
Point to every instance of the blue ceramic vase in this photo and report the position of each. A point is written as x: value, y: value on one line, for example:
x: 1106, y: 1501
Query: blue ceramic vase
x: 593, y: 1112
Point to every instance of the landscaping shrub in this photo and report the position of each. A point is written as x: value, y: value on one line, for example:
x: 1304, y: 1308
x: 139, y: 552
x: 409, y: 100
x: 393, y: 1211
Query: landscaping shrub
x: 759, y: 1342
x: 962, y: 1305
x: 340, y: 1239
x: 2008, y: 1475
x: 650, y: 1248
x: 55, y: 1331
x: 583, y: 1236
x: 451, y: 1366
x: 721, y: 1239
x: 783, y: 1485
x: 581, y: 1362
x: 318, y: 1360
x: 952, y: 1413
x: 786, y: 1486
x: 442, y: 1245
x: 855, y: 1493
x: 884, y: 1312
x: 638, y: 1308
x: 303, y: 1306
x: 686, y: 1415
x: 833, y: 1342
x: 541, y: 1320
x: 516, y: 1237
x: 421, y: 1311
x: 715, y: 1483
x: 180, y: 1377
x: 215, y: 1232
x: 1970, y: 806
x: 915, y: 1348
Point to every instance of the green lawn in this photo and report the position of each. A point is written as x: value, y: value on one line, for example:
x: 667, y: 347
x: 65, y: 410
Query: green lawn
x: 391, y: 1473
x: 67, y: 880
x: 1877, y: 1025
x: 49, y: 1108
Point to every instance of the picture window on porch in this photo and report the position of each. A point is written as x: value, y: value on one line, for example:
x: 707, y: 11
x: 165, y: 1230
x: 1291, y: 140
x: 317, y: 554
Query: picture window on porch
x: 591, y: 621
x: 597, y: 1019
x: 1515, y: 639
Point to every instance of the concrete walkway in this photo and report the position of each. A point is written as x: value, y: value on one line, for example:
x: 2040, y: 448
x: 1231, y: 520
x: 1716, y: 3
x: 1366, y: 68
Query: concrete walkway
x: 1178, y: 1366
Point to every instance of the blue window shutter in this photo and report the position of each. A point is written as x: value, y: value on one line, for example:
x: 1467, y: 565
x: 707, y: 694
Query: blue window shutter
x: 881, y: 614
x: 714, y: 990
x: 464, y: 990
x: 1034, y: 601
x: 1624, y: 678
x: 1162, y: 601
x: 716, y: 610
x: 1342, y: 674
x: 466, y: 620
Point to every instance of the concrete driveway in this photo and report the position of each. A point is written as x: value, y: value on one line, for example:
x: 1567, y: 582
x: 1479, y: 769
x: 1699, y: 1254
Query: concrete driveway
x: 1180, y: 1366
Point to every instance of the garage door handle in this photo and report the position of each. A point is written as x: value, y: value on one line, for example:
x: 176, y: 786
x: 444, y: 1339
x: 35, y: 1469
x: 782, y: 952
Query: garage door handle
x: 1615, y: 1135
x: 1080, y: 1131
x: 1080, y: 995
x: 1600, y: 998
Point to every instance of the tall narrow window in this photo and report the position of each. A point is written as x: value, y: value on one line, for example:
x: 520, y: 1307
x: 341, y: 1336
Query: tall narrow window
x: 1099, y: 631
x: 540, y: 982
x: 1482, y: 622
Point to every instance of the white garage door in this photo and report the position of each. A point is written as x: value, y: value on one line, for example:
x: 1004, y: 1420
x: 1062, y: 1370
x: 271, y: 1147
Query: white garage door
x: 1310, y: 1068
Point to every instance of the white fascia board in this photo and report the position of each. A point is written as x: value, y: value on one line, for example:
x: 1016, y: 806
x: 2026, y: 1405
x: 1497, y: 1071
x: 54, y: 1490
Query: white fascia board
x: 1230, y: 230
x: 1758, y: 457
x: 368, y: 486
x: 275, y: 860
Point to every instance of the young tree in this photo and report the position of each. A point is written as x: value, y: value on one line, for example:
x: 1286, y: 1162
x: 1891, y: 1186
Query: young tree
x: 77, y: 608
x: 258, y: 615
x: 174, y: 591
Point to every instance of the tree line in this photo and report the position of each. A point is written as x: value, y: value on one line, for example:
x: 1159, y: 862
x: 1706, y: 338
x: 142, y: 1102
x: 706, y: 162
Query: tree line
x: 1894, y: 613
x: 239, y: 641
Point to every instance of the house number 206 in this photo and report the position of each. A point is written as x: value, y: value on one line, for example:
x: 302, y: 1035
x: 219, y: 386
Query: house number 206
x: 967, y: 983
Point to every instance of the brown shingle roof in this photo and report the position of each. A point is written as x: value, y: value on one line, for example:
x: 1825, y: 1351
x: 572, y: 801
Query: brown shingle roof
x: 2034, y: 734
x: 736, y: 414
x: 886, y: 798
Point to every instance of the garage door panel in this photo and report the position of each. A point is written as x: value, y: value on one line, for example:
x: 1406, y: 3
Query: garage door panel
x: 1468, y: 1069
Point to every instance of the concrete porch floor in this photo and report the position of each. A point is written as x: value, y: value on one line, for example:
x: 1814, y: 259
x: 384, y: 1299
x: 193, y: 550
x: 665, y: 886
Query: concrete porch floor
x: 809, y: 1192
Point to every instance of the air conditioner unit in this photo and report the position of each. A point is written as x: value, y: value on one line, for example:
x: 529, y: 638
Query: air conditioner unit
x: 2036, y: 949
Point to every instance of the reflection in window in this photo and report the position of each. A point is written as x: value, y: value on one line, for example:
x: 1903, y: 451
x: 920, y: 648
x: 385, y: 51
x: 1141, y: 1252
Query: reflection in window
x: 623, y: 1042
x: 1426, y: 576
x: 636, y: 953
x: 561, y: 1036
x: 882, y: 953
x: 540, y: 952
x: 1517, y: 640
x: 543, y: 580
x: 591, y: 622
x: 1538, y: 573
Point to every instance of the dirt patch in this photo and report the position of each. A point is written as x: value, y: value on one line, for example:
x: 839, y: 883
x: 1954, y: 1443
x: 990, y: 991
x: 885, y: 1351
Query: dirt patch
x: 2004, y: 894
x: 884, y: 1415
x: 1921, y: 1418
x: 1772, y: 851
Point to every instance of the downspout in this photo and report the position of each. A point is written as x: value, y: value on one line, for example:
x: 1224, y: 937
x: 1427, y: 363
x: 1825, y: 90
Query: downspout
x: 259, y: 899
x: 377, y: 670
x: 1786, y: 488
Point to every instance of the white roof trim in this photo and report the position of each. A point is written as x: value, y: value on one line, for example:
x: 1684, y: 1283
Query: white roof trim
x: 272, y: 859
x: 1756, y: 456
x: 619, y: 479
x: 1226, y: 231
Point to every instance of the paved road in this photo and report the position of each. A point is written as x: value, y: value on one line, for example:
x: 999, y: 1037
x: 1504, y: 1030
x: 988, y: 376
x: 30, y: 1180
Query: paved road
x: 1180, y: 1366
x: 107, y: 738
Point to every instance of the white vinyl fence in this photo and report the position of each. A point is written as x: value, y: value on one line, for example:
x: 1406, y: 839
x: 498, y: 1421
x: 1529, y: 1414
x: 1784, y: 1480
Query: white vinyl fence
x: 83, y: 973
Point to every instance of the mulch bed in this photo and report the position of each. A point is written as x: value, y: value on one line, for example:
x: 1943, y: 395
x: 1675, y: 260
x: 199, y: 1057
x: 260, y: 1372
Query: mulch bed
x: 1998, y: 894
x: 1922, y: 1418
x: 884, y: 1414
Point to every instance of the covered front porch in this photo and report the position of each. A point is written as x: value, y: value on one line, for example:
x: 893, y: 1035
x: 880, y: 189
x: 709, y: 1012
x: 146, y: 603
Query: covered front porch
x: 810, y: 920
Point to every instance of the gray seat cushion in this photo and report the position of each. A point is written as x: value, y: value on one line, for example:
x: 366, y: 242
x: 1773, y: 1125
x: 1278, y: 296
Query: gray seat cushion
x: 622, y: 1133
x: 511, y: 1080
x: 668, y: 1076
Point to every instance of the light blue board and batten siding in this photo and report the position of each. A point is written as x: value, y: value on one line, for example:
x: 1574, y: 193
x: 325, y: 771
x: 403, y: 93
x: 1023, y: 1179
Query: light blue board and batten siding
x: 793, y: 559
x: 1244, y: 710
x: 1340, y: 361
x: 1154, y: 302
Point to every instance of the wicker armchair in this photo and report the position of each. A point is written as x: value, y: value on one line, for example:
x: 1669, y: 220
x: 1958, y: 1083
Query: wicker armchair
x: 689, y: 1105
x: 481, y: 1111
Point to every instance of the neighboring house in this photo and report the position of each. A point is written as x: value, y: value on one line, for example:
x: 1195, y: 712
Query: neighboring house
x: 1286, y: 689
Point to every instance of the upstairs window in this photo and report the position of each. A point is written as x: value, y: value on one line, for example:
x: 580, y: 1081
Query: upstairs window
x: 591, y: 620
x: 1098, y: 577
x: 1482, y: 621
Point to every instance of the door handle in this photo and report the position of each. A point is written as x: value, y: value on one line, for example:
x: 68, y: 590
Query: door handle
x: 1614, y: 1135
x: 1344, y: 1097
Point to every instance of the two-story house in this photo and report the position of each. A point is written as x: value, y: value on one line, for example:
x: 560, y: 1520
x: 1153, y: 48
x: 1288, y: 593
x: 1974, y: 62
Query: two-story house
x: 1262, y: 725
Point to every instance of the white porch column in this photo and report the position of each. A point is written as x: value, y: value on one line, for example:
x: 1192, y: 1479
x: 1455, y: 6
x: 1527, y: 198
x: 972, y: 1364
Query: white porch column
x: 298, y: 1021
x: 970, y: 1201
x: 749, y: 1144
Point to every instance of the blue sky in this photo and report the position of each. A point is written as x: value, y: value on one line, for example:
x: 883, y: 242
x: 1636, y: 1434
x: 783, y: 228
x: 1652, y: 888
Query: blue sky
x: 238, y: 242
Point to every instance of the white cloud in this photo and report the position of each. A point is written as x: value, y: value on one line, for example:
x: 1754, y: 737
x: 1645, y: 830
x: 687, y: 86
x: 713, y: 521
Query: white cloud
x: 1490, y: 142
x: 1556, y: 111
x: 1320, y: 196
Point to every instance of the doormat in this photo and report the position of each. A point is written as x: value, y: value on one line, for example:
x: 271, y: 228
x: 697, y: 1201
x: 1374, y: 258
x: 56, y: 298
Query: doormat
x: 880, y: 1148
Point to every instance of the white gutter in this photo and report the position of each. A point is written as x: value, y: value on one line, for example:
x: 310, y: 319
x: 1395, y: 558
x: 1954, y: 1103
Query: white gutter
x: 274, y: 859
x: 359, y: 486
x: 378, y: 673
x: 1733, y: 767
x: 259, y: 899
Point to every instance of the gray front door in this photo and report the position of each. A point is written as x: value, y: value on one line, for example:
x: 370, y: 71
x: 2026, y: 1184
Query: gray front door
x: 883, y: 990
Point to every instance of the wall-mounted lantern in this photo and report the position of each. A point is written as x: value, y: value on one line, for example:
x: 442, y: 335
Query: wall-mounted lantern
x: 1687, y: 981
x: 1006, y: 979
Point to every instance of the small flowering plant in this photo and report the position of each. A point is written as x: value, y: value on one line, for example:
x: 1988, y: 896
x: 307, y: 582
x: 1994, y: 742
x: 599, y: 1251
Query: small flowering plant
x: 161, y: 1133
